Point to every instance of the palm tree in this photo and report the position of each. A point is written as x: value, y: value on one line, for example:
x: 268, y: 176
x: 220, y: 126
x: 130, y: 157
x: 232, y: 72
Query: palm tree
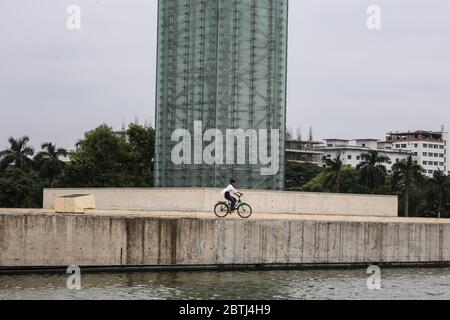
x: 408, y: 172
x: 372, y: 170
x: 440, y: 189
x: 333, y: 174
x: 49, y: 163
x: 19, y: 154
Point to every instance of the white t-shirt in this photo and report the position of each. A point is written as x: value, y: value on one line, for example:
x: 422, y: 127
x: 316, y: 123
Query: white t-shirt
x: 230, y: 189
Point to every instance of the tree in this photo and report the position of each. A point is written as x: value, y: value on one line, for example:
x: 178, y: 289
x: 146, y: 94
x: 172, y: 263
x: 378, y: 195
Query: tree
x: 406, y: 172
x: 333, y: 177
x: 19, y: 154
x: 440, y: 189
x: 298, y: 174
x: 101, y: 159
x: 372, y: 170
x: 20, y: 189
x: 49, y: 163
x: 142, y: 143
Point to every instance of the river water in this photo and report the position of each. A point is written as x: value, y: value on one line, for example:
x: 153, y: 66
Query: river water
x: 414, y: 283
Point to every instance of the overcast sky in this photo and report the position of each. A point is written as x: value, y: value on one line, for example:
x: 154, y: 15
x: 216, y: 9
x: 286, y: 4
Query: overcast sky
x: 344, y: 80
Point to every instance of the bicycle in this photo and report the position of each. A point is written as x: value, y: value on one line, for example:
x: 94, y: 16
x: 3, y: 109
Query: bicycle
x: 223, y: 209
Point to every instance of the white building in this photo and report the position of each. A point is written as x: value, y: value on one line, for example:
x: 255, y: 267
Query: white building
x: 303, y: 152
x: 351, y: 151
x: 429, y: 148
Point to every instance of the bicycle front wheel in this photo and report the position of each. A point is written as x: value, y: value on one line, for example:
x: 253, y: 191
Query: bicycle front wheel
x: 245, y: 211
x: 221, y: 210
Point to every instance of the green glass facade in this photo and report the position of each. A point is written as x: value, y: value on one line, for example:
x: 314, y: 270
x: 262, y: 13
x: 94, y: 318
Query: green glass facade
x: 221, y: 62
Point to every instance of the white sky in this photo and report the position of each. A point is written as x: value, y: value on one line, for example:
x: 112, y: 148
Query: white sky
x: 344, y: 80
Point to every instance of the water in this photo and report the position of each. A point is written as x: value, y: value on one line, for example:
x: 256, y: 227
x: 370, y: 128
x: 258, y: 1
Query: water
x: 416, y: 283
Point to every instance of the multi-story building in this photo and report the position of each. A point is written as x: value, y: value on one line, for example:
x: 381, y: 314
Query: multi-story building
x: 429, y: 148
x: 303, y: 151
x: 221, y: 65
x: 350, y: 151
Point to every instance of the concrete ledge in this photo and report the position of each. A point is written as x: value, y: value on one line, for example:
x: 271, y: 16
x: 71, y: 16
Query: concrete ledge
x: 74, y: 203
x: 49, y: 239
x: 203, y: 200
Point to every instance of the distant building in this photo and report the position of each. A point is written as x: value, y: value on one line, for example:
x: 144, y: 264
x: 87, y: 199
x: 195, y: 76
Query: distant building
x: 122, y: 134
x: 303, y: 152
x: 351, y: 151
x: 429, y: 149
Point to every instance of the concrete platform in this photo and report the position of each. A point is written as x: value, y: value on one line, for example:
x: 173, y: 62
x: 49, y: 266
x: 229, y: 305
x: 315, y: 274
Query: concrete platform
x: 234, y: 216
x: 203, y: 200
x: 109, y: 238
x: 75, y: 203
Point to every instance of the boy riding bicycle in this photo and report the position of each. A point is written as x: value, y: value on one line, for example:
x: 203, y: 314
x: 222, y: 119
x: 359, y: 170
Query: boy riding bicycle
x: 231, y: 189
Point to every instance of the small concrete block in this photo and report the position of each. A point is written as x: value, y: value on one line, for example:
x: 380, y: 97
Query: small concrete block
x: 75, y: 203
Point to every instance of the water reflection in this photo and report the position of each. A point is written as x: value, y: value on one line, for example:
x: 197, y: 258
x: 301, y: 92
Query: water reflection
x: 305, y: 284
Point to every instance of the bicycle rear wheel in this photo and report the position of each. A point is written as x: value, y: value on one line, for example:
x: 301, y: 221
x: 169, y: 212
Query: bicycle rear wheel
x: 221, y: 210
x: 245, y: 211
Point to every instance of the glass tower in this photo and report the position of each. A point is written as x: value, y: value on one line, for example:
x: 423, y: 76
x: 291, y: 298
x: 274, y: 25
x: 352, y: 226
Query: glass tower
x: 221, y: 63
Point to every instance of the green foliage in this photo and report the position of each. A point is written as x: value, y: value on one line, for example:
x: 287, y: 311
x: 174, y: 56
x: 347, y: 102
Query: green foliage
x: 48, y: 162
x: 326, y: 181
x: 298, y: 174
x: 18, y: 154
x: 142, y: 143
x: 100, y: 160
x: 373, y: 171
x: 103, y: 159
x: 406, y: 176
x: 333, y: 177
x: 20, y: 188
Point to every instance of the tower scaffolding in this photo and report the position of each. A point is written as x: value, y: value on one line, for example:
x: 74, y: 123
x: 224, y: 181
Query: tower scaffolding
x: 222, y: 62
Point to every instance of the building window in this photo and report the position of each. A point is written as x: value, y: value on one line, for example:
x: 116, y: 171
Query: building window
x: 349, y: 157
x: 415, y: 154
x: 425, y: 145
x: 425, y: 154
x: 358, y: 158
x: 425, y: 163
x: 416, y: 145
x: 404, y: 146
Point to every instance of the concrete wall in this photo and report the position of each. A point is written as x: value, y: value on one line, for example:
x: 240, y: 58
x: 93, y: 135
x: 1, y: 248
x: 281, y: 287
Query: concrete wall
x: 87, y: 240
x: 203, y: 200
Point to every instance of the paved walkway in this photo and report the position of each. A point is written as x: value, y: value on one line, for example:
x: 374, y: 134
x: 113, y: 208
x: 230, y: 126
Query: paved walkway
x: 234, y: 216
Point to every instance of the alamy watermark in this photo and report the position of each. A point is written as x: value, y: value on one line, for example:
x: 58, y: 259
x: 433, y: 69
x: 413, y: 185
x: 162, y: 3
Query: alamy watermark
x: 374, y: 280
x: 73, y: 17
x: 74, y: 280
x: 374, y: 17
x: 229, y: 147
